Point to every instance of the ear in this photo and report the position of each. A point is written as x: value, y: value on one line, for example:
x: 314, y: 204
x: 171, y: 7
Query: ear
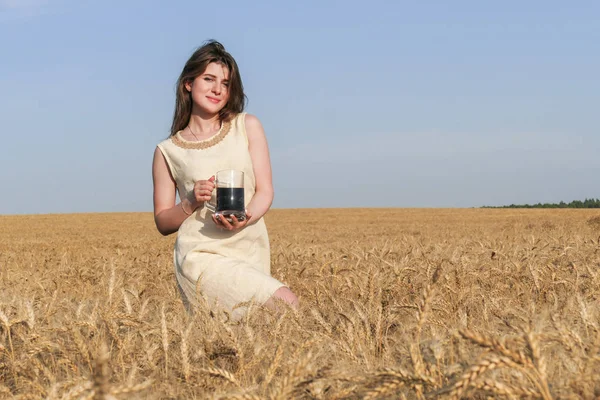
x: 188, y: 85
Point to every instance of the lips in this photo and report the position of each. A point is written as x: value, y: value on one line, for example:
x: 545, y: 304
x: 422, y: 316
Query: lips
x: 213, y: 100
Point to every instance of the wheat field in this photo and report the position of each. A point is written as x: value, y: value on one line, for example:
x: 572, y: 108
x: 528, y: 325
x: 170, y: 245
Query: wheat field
x: 395, y: 303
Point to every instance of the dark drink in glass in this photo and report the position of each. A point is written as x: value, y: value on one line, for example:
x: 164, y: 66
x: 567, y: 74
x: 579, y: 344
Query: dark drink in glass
x: 230, y: 195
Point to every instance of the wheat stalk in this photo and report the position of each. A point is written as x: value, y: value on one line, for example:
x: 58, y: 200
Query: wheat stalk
x: 289, y: 381
x: 400, y: 374
x: 30, y: 314
x: 245, y: 396
x: 185, y: 362
x: 273, y: 365
x: 165, y: 336
x: 127, y: 302
x: 7, y: 325
x: 521, y: 362
x: 301, y: 385
x: 495, y: 387
x: 495, y: 345
x: 101, y: 387
x: 319, y: 318
x: 81, y: 346
x: 76, y: 391
x: 221, y: 373
x: 47, y: 373
x: 352, y: 389
x: 111, y: 284
x: 538, y: 362
x: 131, y: 388
x: 142, y: 311
x: 478, y: 369
x: 239, y: 350
x: 391, y: 379
x: 384, y: 389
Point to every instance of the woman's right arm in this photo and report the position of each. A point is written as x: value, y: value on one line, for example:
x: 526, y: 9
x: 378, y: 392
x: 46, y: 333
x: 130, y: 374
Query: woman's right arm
x: 168, y: 216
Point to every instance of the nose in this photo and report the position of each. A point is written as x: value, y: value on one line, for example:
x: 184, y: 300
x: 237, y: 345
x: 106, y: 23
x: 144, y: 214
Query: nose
x: 216, y: 89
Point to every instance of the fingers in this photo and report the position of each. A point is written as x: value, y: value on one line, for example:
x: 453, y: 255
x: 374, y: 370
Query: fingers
x: 226, y: 224
x: 223, y: 222
x: 205, y: 185
x: 237, y: 224
x: 203, y: 190
x: 202, y: 194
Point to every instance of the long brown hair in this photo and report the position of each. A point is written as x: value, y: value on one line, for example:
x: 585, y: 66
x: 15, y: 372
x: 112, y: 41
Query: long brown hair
x: 211, y: 51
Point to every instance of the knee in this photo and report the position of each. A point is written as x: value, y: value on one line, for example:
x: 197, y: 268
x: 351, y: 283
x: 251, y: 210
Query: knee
x: 286, y: 295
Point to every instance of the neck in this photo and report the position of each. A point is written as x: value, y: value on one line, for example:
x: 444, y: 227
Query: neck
x: 203, y: 123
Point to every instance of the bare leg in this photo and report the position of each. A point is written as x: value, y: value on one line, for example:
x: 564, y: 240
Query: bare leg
x: 283, y: 294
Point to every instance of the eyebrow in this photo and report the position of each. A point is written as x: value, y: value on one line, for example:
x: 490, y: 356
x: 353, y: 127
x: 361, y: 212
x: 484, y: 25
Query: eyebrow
x: 214, y: 76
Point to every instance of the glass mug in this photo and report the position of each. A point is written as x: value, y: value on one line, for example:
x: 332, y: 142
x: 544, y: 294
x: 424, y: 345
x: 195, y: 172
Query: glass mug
x: 229, y: 184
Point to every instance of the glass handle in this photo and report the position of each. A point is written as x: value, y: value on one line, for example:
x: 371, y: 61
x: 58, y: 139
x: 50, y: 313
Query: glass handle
x: 210, y: 206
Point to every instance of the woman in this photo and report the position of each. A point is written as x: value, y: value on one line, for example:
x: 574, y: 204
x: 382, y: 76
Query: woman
x: 227, y: 262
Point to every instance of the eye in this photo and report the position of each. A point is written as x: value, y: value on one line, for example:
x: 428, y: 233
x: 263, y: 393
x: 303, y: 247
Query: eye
x: 208, y: 79
x: 226, y: 84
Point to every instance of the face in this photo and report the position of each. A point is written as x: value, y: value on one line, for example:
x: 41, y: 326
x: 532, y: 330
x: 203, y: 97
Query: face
x: 210, y: 90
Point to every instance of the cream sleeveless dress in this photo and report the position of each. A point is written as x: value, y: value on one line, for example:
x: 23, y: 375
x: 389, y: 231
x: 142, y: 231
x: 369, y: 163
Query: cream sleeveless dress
x: 226, y: 268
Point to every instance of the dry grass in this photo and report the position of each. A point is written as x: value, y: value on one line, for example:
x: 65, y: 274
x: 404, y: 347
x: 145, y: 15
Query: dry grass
x: 412, y: 304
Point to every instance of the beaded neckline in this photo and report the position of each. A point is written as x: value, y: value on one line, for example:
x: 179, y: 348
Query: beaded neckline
x: 179, y: 141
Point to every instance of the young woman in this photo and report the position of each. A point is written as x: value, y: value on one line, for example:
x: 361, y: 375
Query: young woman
x: 227, y: 262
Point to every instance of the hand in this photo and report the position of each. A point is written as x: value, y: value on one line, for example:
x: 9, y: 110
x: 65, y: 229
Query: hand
x: 203, y: 192
x: 235, y: 224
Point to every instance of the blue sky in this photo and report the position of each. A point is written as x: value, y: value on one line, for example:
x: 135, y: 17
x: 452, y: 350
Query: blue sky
x: 365, y: 104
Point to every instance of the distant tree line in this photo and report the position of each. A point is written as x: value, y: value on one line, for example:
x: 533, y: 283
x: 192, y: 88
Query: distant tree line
x: 587, y: 203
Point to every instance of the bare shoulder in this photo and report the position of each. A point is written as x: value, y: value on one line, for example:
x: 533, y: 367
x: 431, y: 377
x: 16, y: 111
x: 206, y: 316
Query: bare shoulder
x: 254, y: 127
x: 251, y: 119
x: 159, y: 156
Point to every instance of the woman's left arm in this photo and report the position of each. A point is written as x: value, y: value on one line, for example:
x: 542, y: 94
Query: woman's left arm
x: 261, y: 162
